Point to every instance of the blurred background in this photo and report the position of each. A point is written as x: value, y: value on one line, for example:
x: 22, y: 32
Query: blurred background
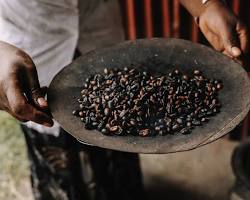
x: 14, y: 171
x: 204, y: 173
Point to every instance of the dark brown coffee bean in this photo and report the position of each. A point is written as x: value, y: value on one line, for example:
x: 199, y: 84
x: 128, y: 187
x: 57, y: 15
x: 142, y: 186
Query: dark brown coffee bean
x: 94, y: 124
x: 219, y: 86
x: 184, y: 131
x: 185, y: 77
x: 177, y: 72
x: 106, y: 111
x: 197, y: 72
x: 157, y: 128
x: 130, y: 101
x: 74, y: 112
x: 179, y: 120
x: 113, y: 128
x: 81, y: 114
x: 144, y: 132
x: 104, y: 131
x: 175, y: 127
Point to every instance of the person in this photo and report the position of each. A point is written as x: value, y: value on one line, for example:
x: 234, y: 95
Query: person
x: 38, y: 38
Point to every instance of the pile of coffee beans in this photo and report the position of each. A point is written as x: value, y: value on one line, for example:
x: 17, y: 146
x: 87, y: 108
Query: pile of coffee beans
x: 130, y: 101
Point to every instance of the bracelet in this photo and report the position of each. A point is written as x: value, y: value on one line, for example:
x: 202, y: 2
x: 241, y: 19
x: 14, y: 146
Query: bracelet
x: 196, y: 19
x: 205, y: 1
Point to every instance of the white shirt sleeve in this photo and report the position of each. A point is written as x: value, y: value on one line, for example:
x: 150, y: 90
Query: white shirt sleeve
x: 47, y: 30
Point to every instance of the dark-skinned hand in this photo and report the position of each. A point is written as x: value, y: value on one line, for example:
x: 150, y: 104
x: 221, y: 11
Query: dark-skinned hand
x: 20, y: 92
x: 225, y: 32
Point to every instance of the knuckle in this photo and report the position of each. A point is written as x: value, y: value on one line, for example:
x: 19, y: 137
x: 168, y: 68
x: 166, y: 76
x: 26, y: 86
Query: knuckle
x: 25, y: 60
x: 20, y: 108
x: 36, y: 115
x: 20, y: 119
x: 245, y: 31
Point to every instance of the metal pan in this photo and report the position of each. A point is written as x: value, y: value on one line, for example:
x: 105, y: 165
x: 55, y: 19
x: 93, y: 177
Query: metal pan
x: 160, y: 56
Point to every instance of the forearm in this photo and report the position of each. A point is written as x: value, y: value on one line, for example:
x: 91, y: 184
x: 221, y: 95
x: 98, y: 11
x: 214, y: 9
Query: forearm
x: 196, y: 7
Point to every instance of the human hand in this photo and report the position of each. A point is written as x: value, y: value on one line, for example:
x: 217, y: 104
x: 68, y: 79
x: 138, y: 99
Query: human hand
x: 225, y: 32
x: 20, y: 92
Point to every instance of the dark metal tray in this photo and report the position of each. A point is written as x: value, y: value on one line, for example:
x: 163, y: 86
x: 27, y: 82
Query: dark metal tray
x: 160, y: 56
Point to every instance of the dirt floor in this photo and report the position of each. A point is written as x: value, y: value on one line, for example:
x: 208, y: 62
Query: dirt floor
x: 201, y: 174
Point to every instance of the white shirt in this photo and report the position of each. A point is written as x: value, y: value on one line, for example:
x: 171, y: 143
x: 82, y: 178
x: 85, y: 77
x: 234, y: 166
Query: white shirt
x: 48, y: 30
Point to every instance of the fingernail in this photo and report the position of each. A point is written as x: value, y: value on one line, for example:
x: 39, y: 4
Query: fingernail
x: 42, y: 102
x: 236, y: 51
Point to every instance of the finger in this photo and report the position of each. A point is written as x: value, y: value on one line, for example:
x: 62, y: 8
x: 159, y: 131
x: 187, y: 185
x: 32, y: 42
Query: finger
x: 17, y: 117
x: 21, y: 109
x: 35, y: 93
x: 43, y: 102
x: 38, y: 98
x: 39, y: 117
x: 59, y: 164
x: 214, y: 40
x: 25, y: 112
x: 230, y: 41
x: 243, y: 37
x: 44, y: 90
x: 227, y: 54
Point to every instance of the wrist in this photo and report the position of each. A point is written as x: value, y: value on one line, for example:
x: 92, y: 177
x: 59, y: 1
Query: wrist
x: 211, y: 3
x: 207, y: 5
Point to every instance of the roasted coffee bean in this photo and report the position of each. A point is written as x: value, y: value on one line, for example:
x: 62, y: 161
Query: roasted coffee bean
x: 104, y: 131
x: 120, y: 131
x: 106, y: 111
x: 158, y: 128
x: 81, y: 114
x: 196, y: 122
x: 189, y: 124
x: 135, y: 102
x: 110, y: 104
x: 177, y: 72
x: 185, y: 77
x: 203, y: 119
x: 144, y: 132
x: 197, y: 72
x: 132, y: 122
x: 175, y: 127
x: 219, y: 86
x: 106, y: 97
x: 100, y: 126
x: 179, y: 120
x: 184, y: 131
x: 94, y: 124
x: 113, y: 128
x: 122, y: 113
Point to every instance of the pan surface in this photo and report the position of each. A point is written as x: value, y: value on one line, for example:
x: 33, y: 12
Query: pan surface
x: 160, y: 56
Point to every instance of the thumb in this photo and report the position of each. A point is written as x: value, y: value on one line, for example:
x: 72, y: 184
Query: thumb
x: 230, y: 42
x: 35, y: 92
x: 38, y: 97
